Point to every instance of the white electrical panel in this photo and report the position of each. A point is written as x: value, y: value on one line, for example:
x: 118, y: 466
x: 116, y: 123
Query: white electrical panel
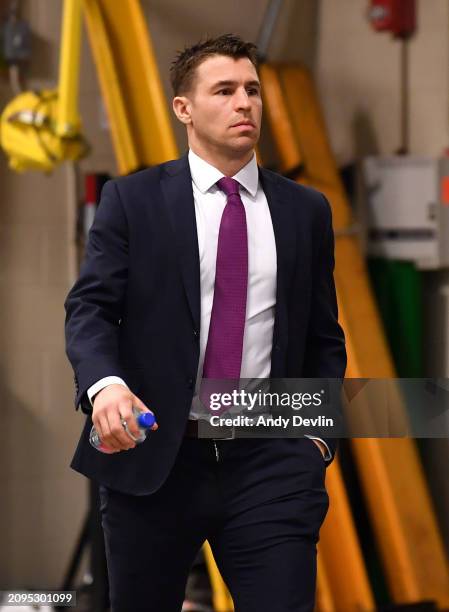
x: 406, y: 212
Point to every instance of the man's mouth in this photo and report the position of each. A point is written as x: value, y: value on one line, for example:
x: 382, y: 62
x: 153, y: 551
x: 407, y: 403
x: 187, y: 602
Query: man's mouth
x: 244, y: 124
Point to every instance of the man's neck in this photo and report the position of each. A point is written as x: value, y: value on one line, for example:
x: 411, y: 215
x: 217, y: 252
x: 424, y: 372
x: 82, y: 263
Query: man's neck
x: 228, y: 166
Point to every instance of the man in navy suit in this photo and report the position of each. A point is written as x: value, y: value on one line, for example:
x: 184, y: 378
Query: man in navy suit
x: 205, y: 266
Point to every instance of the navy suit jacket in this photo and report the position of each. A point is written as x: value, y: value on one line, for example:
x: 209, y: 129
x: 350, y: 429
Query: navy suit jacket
x: 134, y: 312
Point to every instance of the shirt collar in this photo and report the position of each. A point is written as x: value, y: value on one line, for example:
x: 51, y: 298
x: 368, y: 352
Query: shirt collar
x: 204, y: 175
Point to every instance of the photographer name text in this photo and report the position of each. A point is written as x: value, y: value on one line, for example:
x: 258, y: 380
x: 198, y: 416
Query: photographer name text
x: 270, y: 421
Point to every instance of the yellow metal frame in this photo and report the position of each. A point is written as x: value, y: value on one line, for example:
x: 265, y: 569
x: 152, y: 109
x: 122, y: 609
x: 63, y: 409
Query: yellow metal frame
x: 122, y: 137
x: 130, y: 83
x: 39, y: 130
x: 68, y: 121
x: 221, y: 598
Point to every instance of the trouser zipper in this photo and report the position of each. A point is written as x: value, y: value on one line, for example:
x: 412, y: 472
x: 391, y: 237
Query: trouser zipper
x: 217, y: 455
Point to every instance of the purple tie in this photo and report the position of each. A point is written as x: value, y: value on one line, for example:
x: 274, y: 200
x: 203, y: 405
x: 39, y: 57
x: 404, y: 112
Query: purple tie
x: 223, y: 358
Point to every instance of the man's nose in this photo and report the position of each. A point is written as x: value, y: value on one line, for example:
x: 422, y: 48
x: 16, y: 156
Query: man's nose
x: 243, y: 100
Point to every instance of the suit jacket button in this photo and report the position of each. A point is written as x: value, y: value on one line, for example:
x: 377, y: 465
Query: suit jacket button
x: 195, y: 333
x: 191, y: 383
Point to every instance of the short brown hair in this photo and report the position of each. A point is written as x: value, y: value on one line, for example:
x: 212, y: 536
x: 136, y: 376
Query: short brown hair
x: 182, y: 69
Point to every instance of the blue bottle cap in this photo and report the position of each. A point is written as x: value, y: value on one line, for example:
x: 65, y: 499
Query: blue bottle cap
x: 146, y: 419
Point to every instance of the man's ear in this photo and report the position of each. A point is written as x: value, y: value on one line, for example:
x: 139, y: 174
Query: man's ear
x: 182, y: 109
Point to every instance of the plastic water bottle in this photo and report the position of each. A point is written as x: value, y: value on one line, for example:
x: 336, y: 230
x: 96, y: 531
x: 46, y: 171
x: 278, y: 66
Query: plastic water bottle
x: 145, y: 420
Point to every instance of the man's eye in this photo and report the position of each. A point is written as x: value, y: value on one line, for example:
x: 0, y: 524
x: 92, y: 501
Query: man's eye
x: 253, y: 91
x: 224, y: 92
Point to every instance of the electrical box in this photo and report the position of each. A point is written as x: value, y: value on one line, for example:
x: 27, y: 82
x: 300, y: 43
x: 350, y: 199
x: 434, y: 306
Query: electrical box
x: 406, y: 209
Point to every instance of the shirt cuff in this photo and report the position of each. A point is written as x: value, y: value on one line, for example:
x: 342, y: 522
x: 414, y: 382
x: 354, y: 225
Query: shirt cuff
x: 102, y: 383
x: 328, y: 455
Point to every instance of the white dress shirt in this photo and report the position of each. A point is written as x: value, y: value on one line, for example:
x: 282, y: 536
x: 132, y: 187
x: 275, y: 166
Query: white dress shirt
x: 210, y: 202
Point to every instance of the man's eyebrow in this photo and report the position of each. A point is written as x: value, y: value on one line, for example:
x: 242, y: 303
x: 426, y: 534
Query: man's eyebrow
x: 228, y: 83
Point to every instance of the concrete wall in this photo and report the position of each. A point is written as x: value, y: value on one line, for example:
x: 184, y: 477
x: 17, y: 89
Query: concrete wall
x: 358, y: 74
x: 43, y: 501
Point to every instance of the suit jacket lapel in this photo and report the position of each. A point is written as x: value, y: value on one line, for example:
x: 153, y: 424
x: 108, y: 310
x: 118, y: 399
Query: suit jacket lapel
x: 285, y: 238
x: 176, y: 186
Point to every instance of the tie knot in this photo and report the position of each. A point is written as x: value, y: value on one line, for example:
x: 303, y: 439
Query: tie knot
x: 229, y: 186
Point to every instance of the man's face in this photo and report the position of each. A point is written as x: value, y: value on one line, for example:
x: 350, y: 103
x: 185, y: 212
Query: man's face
x: 225, y: 105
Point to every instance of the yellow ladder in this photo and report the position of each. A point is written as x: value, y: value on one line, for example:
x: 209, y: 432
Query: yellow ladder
x: 392, y: 477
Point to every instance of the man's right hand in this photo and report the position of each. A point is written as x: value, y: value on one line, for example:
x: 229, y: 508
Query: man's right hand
x: 111, y: 405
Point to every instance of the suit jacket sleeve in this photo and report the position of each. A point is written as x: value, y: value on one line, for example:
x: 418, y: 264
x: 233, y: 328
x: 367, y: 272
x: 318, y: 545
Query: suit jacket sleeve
x: 94, y: 304
x: 325, y: 355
